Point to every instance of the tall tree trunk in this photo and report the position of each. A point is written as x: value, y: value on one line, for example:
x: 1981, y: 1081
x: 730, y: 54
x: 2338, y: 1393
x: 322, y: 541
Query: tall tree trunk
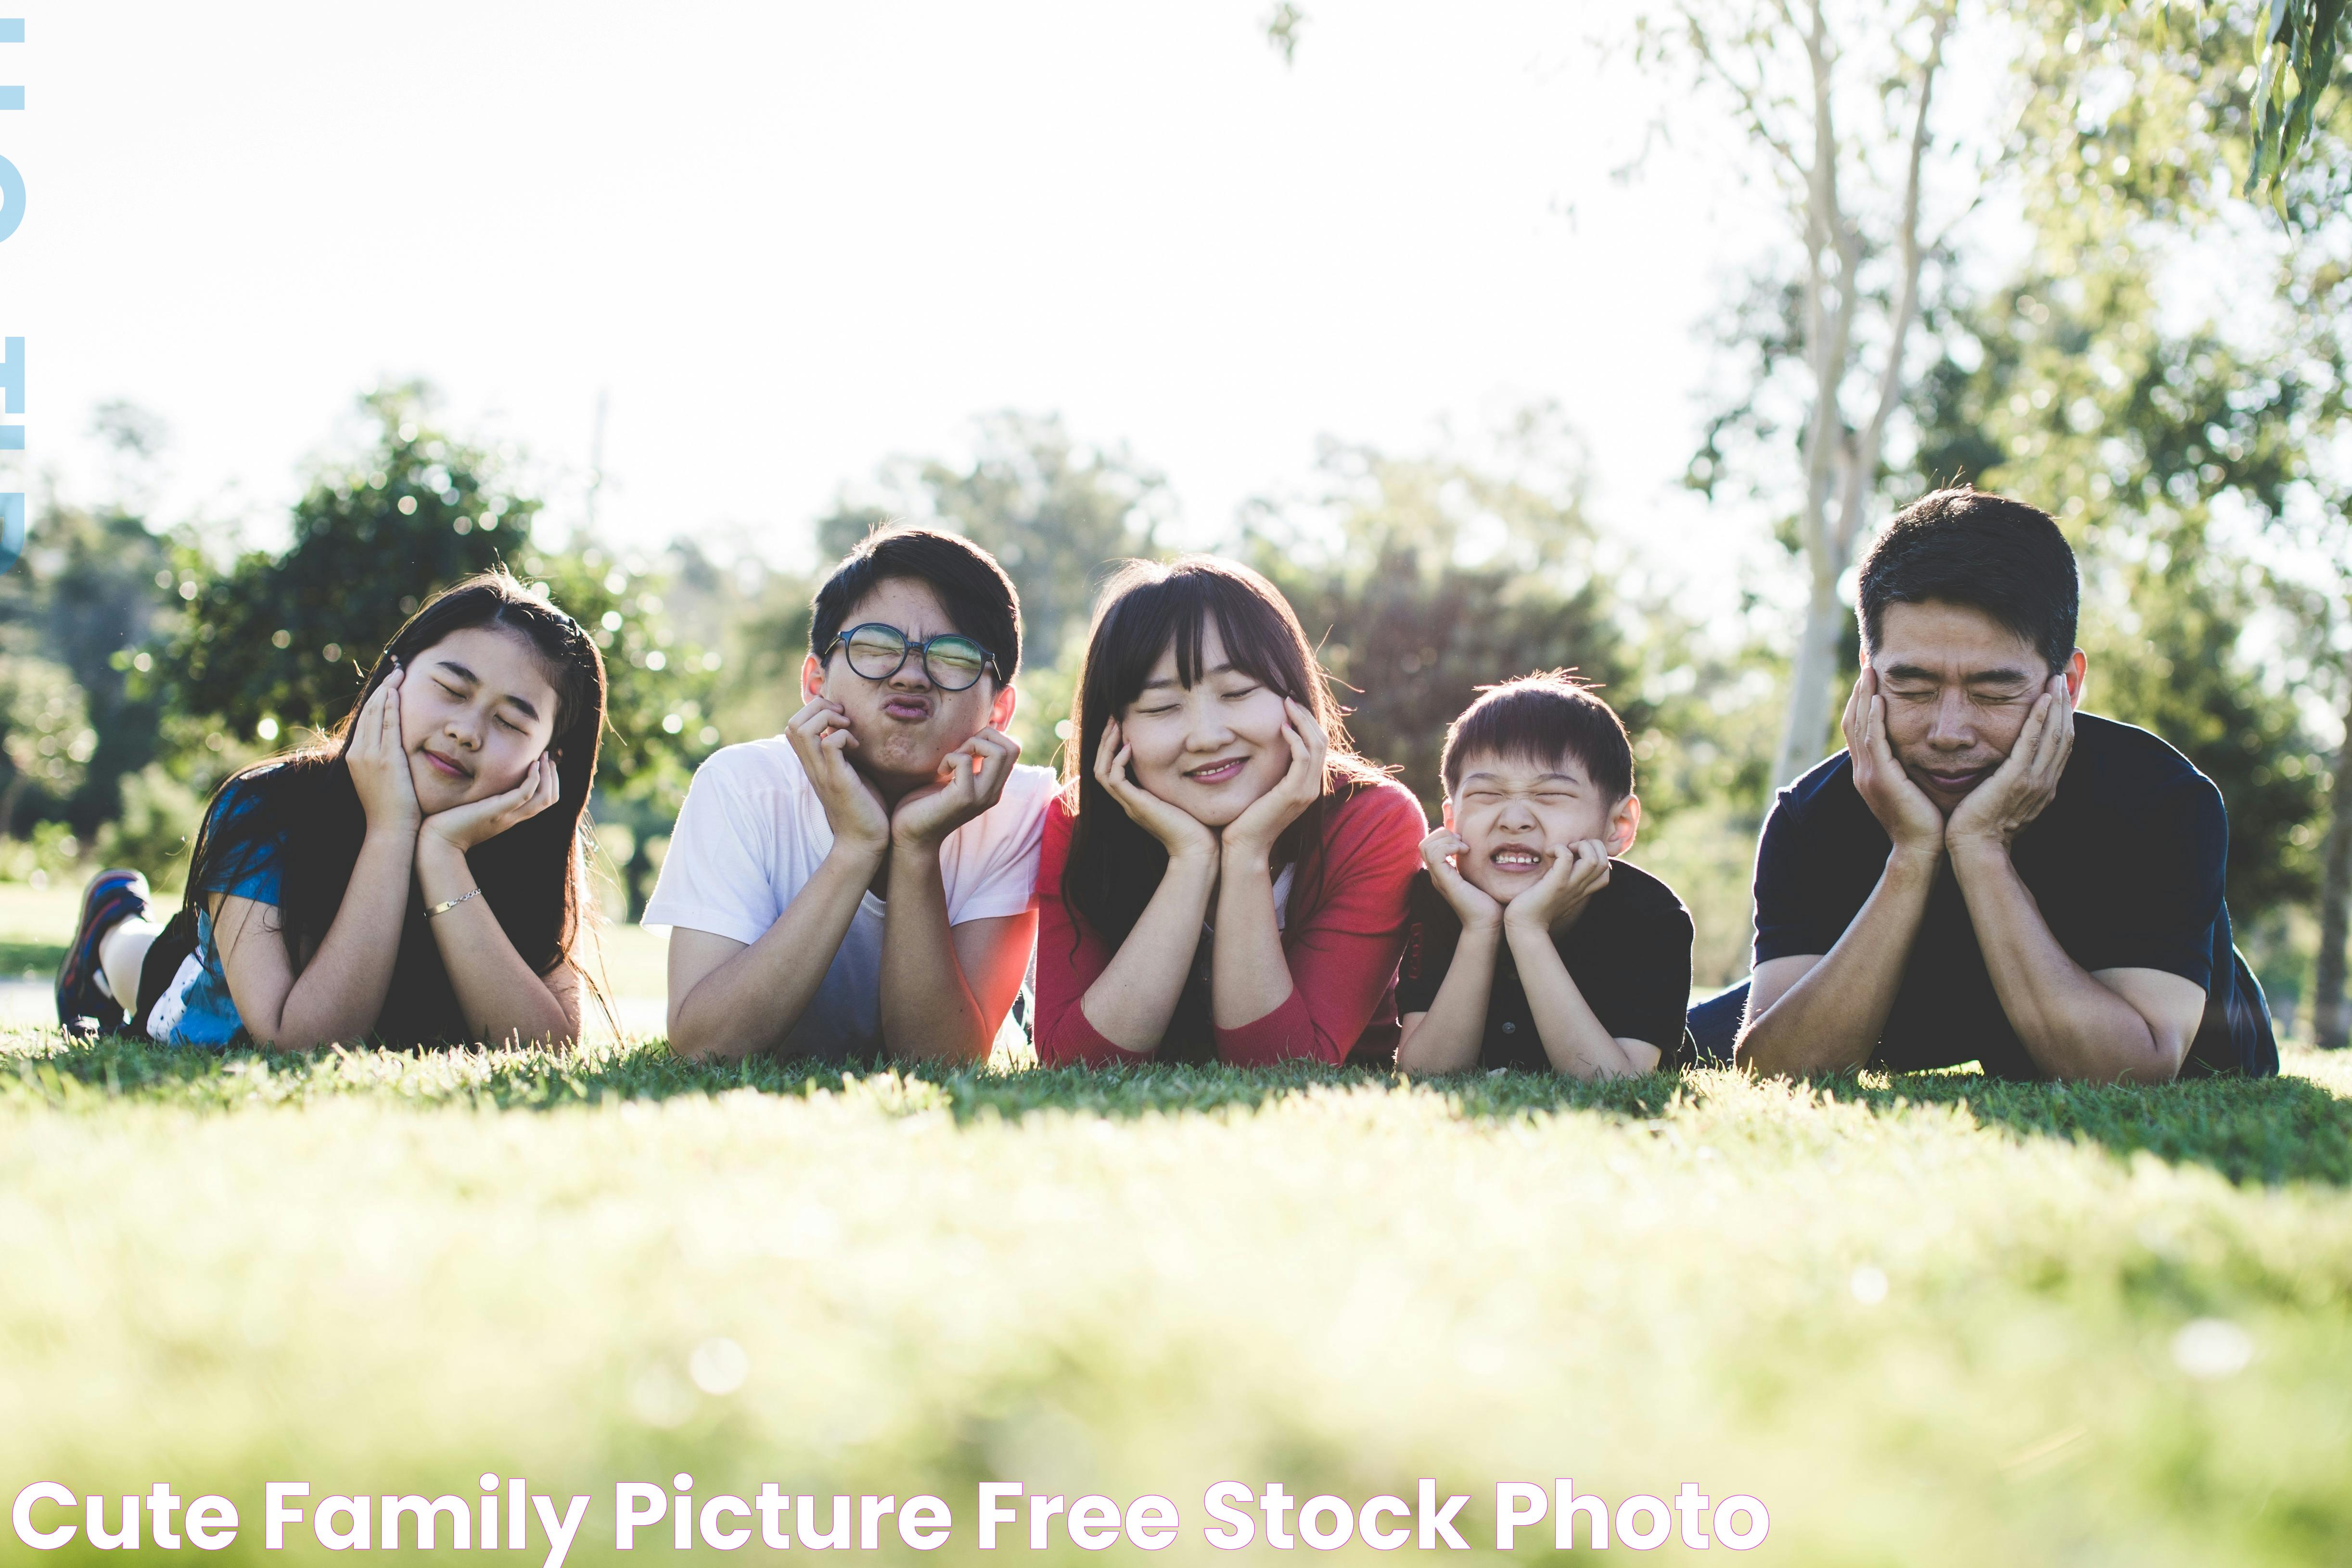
x: 1838, y: 459
x: 2331, y: 1012
x: 1806, y: 731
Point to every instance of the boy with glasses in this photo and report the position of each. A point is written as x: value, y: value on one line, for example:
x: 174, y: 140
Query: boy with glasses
x: 862, y: 883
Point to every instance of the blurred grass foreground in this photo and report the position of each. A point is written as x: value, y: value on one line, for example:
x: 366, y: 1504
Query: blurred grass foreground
x: 1928, y: 1320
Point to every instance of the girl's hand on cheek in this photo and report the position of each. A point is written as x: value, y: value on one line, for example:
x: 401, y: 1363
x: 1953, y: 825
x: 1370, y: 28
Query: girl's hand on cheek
x: 1254, y: 831
x: 478, y: 822
x: 1180, y: 833
x: 378, y: 760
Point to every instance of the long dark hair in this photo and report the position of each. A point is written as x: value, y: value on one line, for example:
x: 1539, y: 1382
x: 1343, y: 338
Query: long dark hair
x: 1115, y: 865
x: 302, y: 809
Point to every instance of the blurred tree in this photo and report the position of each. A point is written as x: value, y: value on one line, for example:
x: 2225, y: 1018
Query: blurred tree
x: 47, y: 741
x: 2281, y: 56
x: 1283, y: 22
x: 1054, y: 514
x: 103, y: 599
x: 282, y: 640
x: 82, y: 599
x: 2141, y: 442
x: 1837, y: 103
x: 1424, y: 579
x: 2140, y: 123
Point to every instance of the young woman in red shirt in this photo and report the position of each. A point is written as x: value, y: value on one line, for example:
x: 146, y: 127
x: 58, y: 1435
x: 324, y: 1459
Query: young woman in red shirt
x: 1222, y: 879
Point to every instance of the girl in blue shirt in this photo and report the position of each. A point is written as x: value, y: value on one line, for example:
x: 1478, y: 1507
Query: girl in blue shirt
x: 417, y: 877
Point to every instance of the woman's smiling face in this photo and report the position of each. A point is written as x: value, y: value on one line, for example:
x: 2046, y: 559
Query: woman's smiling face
x: 1213, y: 748
x: 477, y: 709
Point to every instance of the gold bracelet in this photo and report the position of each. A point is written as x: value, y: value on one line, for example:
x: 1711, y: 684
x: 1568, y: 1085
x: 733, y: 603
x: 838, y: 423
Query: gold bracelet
x: 451, y: 903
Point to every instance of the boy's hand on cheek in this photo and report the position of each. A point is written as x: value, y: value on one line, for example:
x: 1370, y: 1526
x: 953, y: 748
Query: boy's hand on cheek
x: 820, y: 737
x: 972, y: 779
x: 1475, y: 907
x: 1578, y: 871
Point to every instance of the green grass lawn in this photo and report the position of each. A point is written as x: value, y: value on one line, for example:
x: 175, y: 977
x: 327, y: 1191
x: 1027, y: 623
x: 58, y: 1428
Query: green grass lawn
x: 1932, y: 1319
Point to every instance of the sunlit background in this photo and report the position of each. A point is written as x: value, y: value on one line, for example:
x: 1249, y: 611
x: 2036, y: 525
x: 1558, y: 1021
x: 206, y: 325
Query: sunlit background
x: 1481, y: 329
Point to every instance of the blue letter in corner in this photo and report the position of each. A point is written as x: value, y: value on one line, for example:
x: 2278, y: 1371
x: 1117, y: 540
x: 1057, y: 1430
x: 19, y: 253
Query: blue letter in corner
x: 12, y: 183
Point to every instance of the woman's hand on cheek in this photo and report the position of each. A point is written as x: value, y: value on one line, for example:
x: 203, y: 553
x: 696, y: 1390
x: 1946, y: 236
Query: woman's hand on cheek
x: 1180, y: 832
x: 378, y: 760
x: 1251, y: 834
x: 478, y: 822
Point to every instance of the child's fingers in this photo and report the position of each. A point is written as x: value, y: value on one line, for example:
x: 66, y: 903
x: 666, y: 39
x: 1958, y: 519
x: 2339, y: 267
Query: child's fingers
x: 1437, y: 850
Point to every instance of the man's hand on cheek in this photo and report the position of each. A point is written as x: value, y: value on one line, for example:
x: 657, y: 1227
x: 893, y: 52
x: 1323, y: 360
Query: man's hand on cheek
x: 1903, y: 809
x: 2022, y: 787
x: 972, y: 779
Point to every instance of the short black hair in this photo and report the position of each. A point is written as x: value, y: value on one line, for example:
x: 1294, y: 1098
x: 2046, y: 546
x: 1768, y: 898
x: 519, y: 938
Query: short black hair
x: 1544, y: 717
x: 972, y: 589
x: 1988, y: 552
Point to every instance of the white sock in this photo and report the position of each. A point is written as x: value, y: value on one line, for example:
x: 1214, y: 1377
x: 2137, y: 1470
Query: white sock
x: 121, y: 954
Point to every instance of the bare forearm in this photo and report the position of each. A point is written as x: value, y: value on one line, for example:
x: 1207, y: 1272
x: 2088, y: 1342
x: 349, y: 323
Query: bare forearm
x: 1573, y: 1039
x: 503, y: 1000
x: 2070, y: 1025
x: 339, y: 993
x: 750, y: 1002
x: 928, y: 1007
x: 1132, y: 1000
x: 1248, y: 975
x: 1832, y: 1017
x: 1448, y: 1036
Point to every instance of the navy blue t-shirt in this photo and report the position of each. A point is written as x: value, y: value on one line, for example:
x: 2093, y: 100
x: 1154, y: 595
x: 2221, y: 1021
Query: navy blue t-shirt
x: 1629, y: 954
x: 2127, y: 862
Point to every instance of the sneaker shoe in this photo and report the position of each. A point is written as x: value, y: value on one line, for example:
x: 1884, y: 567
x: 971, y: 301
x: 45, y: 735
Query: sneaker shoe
x: 112, y: 898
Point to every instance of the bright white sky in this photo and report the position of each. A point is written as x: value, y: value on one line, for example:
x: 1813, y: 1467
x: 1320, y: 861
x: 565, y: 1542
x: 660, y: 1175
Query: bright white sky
x: 792, y: 239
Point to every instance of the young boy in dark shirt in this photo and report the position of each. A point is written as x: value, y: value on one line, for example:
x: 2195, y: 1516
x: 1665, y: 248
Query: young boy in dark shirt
x: 1527, y: 945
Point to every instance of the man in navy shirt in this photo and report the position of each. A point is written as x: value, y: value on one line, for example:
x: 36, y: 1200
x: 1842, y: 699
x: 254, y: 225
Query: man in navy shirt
x: 1985, y: 875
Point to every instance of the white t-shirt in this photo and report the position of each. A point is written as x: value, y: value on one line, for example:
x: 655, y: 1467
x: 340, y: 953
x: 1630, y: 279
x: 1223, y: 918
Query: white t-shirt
x: 752, y: 832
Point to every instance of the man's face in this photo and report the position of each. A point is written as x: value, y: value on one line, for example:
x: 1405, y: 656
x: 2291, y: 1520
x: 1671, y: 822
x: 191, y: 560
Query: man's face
x: 1511, y: 810
x: 905, y: 726
x: 1958, y: 686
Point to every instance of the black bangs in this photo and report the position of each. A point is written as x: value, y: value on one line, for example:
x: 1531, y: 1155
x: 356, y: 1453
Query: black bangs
x: 1144, y: 623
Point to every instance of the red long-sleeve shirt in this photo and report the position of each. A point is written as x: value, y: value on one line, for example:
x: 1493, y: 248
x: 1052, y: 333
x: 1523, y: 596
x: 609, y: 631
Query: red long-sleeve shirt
x: 1342, y: 953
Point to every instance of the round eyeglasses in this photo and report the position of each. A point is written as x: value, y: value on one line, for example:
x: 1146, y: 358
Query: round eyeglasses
x: 952, y: 662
